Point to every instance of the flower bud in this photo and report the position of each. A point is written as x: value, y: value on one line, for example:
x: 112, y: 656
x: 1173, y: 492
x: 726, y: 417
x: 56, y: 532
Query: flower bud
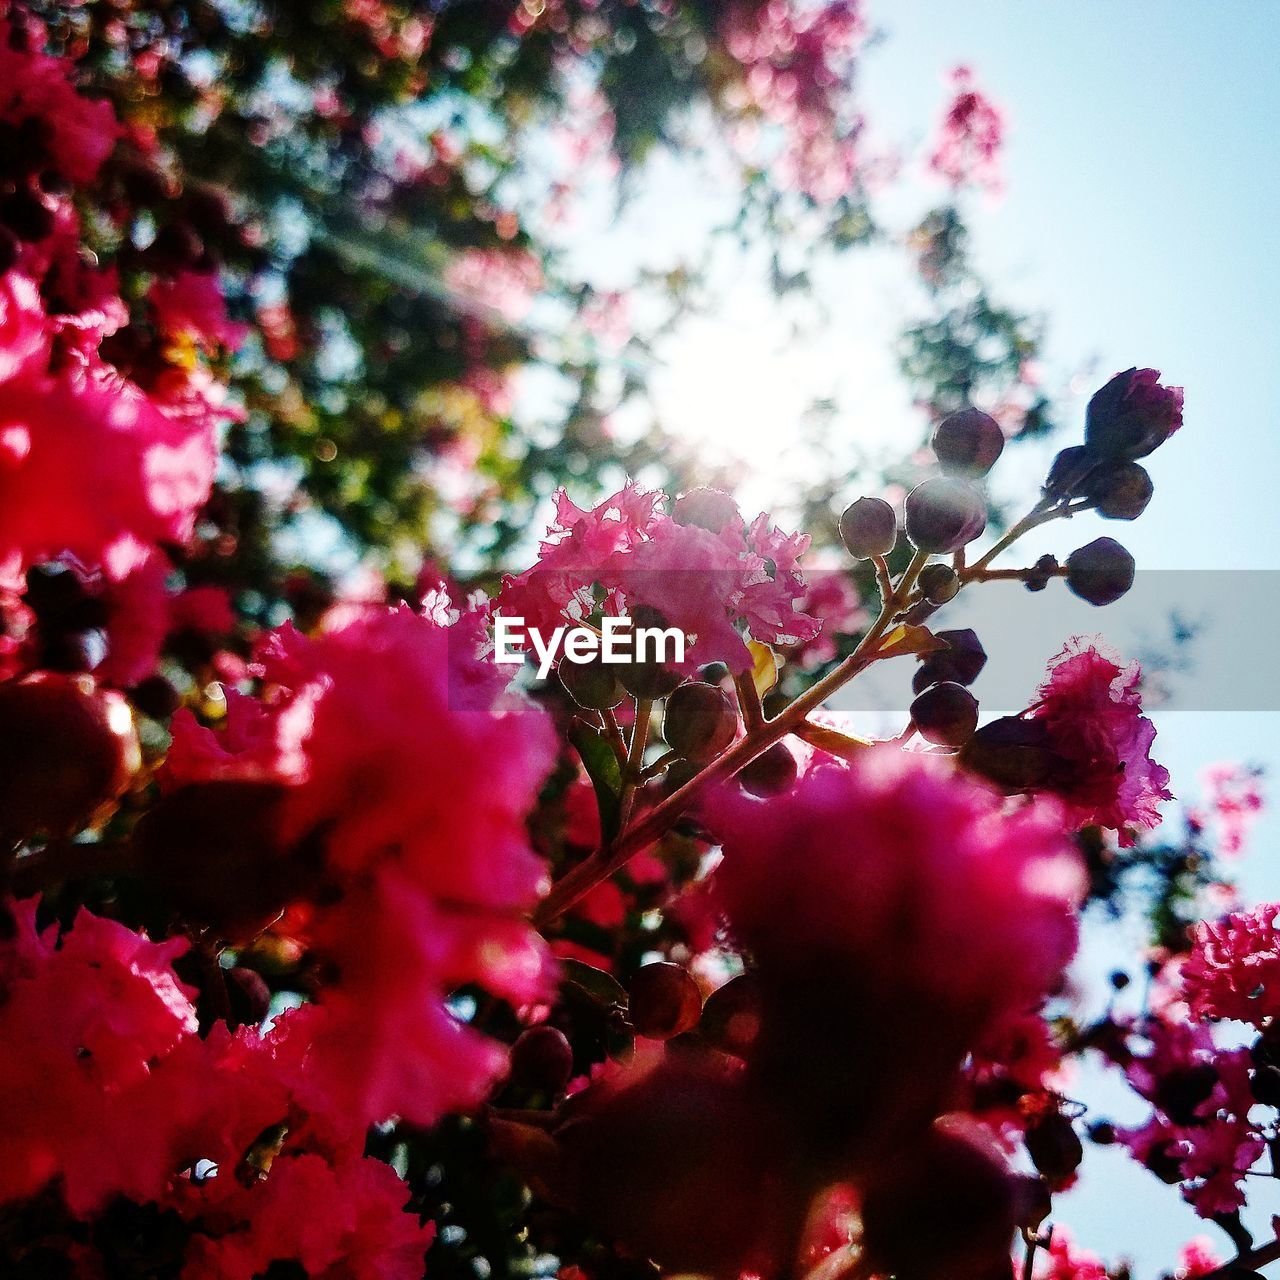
x: 699, y: 722
x: 1102, y: 1133
x: 962, y: 660
x: 665, y: 1001
x: 249, y: 997
x: 938, y: 583
x: 1038, y: 575
x: 731, y: 1017
x: 869, y: 527
x: 1068, y: 471
x: 1055, y: 1148
x: 771, y: 772
x: 1100, y: 572
x: 943, y: 515
x: 592, y: 685
x: 945, y: 714
x: 1132, y: 415
x: 968, y: 443
x: 956, y: 1177
x: 707, y: 508
x: 1119, y: 490
x: 66, y: 750
x: 1011, y: 752
x: 647, y: 679
x: 1180, y: 1093
x: 542, y: 1059
x: 155, y: 697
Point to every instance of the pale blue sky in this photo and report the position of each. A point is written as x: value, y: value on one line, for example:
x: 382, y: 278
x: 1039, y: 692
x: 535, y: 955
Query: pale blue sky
x: 1141, y: 213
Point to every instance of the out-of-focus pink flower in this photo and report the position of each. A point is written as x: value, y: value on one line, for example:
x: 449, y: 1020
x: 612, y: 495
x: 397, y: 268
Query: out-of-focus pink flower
x: 831, y: 598
x: 797, y: 64
x: 345, y: 1218
x: 908, y: 874
x: 81, y: 1027
x: 1197, y: 1258
x: 1091, y: 710
x: 192, y: 303
x: 1233, y: 804
x: 1064, y: 1260
x: 94, y: 467
x: 1200, y: 1132
x: 505, y: 280
x: 23, y: 336
x: 74, y: 134
x: 410, y: 771
x: 1233, y: 970
x: 968, y: 147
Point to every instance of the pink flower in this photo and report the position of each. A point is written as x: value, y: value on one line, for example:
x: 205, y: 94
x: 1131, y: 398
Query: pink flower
x: 907, y: 874
x: 1235, y: 803
x: 1197, y: 1258
x: 82, y: 1026
x: 23, y: 336
x: 1233, y: 970
x: 797, y: 62
x: 1064, y: 1261
x: 408, y: 774
x: 94, y: 467
x: 503, y: 280
x: 1091, y: 712
x: 73, y: 134
x: 969, y: 141
x: 343, y: 1219
x: 703, y: 581
x: 192, y: 303
x: 1200, y: 1133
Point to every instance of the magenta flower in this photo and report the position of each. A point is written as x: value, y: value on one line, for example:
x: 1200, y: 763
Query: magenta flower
x: 707, y: 582
x: 968, y: 147
x: 1233, y: 970
x: 908, y: 873
x: 1090, y: 710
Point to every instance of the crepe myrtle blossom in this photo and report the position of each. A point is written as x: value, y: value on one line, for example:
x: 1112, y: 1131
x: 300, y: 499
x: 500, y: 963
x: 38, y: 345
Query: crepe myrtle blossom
x: 706, y: 572
x: 1200, y: 1132
x: 1233, y: 970
x: 403, y: 772
x: 971, y: 135
x: 1084, y: 740
x: 900, y: 866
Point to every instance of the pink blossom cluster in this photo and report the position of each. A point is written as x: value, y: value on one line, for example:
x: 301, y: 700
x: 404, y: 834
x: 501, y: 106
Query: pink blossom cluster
x: 797, y: 66
x: 108, y: 1090
x: 1090, y: 712
x: 1234, y: 802
x: 405, y: 773
x: 1233, y: 970
x: 107, y: 420
x: 1200, y: 1132
x: 967, y: 150
x: 701, y: 567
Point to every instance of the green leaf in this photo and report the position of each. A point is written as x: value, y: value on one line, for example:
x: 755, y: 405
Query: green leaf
x: 601, y: 988
x: 605, y: 772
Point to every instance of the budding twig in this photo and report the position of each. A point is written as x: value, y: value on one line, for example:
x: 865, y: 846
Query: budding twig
x: 582, y: 878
